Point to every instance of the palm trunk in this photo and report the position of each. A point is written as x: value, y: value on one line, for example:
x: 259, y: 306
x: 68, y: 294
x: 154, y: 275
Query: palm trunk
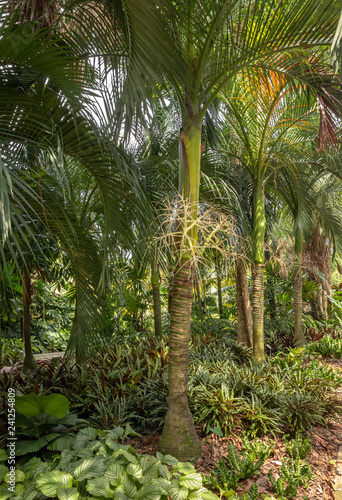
x: 258, y: 271
x: 158, y: 328
x: 29, y: 361
x: 179, y: 437
x: 299, y: 338
x: 199, y: 299
x: 244, y: 310
x: 270, y: 291
x: 219, y: 287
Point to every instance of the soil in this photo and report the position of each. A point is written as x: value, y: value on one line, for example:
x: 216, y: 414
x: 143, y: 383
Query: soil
x: 326, y: 442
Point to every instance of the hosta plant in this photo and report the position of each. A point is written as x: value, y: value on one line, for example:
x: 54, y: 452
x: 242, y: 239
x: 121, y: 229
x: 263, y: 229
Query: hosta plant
x: 97, y: 465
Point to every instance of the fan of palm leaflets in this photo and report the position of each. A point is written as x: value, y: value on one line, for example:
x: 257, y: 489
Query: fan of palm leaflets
x: 45, y: 92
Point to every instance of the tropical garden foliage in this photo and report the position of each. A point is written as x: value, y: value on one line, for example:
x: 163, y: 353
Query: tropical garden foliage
x: 170, y: 219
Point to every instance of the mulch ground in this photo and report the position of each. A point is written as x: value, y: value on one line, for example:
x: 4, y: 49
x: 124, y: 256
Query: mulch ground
x: 322, y: 459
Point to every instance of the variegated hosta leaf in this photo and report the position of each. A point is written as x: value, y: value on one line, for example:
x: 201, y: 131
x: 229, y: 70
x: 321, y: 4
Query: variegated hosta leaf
x: 84, y: 437
x: 191, y: 481
x: 178, y: 492
x: 100, y: 487
x: 150, y: 466
x: 167, y: 459
x: 67, y: 494
x: 135, y: 471
x: 116, y: 433
x: 198, y: 494
x: 113, y: 445
x: 209, y: 495
x: 4, y: 492
x: 184, y: 467
x: 3, y: 472
x: 163, y: 485
x: 3, y: 455
x: 149, y: 491
x: 90, y: 468
x: 19, y: 476
x: 66, y: 465
x: 164, y: 472
x: 49, y: 482
x: 19, y: 490
x: 121, y: 456
x: 115, y: 473
x: 129, y: 486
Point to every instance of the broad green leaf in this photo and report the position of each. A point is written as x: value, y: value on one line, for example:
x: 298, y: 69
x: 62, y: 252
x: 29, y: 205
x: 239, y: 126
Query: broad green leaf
x: 164, y: 472
x: 67, y: 494
x: 149, y: 465
x: 100, y: 487
x: 169, y: 460
x: 3, y: 472
x: 19, y: 490
x: 33, y: 445
x: 116, y: 433
x: 217, y: 431
x: 61, y: 443
x: 49, y: 482
x: 4, y: 493
x: 129, y: 486
x: 19, y: 476
x: 114, y: 473
x: 178, y: 492
x: 32, y: 405
x: 192, y: 481
x: 163, y: 485
x: 127, y: 455
x: 135, y: 471
x: 184, y: 467
x: 90, y: 468
x: 209, y: 495
x: 35, y: 466
x: 3, y: 455
x: 149, y: 491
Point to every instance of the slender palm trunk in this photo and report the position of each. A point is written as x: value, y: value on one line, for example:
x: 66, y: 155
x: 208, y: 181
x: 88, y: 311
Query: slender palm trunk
x: 158, y: 328
x: 219, y: 286
x: 258, y: 271
x: 244, y: 310
x: 299, y: 338
x: 29, y: 361
x: 179, y: 437
x: 199, y: 298
x: 270, y: 291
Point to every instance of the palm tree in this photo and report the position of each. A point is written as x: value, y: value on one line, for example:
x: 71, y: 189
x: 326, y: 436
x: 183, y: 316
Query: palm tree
x: 193, y: 49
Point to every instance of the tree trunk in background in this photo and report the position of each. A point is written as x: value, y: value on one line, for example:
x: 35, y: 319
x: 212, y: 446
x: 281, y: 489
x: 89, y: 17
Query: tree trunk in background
x: 244, y: 310
x: 317, y: 263
x: 198, y: 295
x: 179, y: 437
x: 29, y: 361
x: 270, y: 291
x: 299, y: 338
x: 219, y: 286
x: 158, y: 328
x: 258, y: 270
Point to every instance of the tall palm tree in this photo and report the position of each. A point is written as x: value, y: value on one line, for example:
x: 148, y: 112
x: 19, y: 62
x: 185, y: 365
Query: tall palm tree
x: 194, y: 48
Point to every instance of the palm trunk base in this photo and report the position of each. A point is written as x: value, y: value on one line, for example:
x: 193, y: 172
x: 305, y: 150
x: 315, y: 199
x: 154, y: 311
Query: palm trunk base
x: 179, y: 437
x: 258, y: 313
x: 29, y: 363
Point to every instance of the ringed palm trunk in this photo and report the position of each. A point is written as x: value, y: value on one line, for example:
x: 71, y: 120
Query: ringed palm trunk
x: 29, y: 361
x: 219, y: 286
x: 258, y: 271
x: 179, y: 437
x: 244, y: 310
x: 299, y: 338
x: 158, y: 328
